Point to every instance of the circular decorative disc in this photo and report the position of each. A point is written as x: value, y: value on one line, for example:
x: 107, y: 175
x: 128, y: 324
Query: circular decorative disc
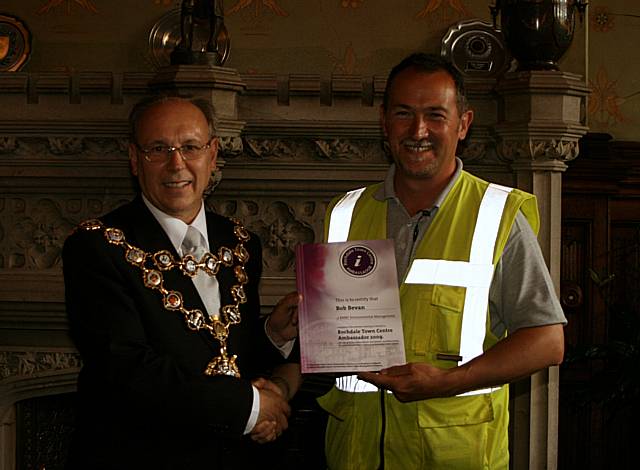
x: 15, y: 44
x: 165, y: 35
x: 476, y: 49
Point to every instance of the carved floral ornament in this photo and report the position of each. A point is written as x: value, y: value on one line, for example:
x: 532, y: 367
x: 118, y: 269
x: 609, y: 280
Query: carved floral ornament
x: 66, y: 145
x: 35, y: 239
x: 280, y: 232
x: 61, y: 146
x: 339, y: 149
x: 29, y: 363
x: 280, y: 226
x: 231, y: 146
x: 8, y: 144
x: 265, y: 148
x: 305, y: 148
x: 474, y: 151
x: 531, y: 149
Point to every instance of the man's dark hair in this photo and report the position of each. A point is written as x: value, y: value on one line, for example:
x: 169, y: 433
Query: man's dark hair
x: 423, y: 62
x: 144, y: 104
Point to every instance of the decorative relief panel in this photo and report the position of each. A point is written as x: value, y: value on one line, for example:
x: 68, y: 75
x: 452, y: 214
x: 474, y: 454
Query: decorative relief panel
x: 289, y: 149
x: 271, y: 148
x: 473, y: 151
x: 8, y: 144
x: 14, y: 364
x: 533, y: 149
x: 33, y: 237
x: 33, y: 230
x: 64, y: 146
x: 346, y: 149
x: 280, y: 232
x: 231, y: 146
x: 280, y: 226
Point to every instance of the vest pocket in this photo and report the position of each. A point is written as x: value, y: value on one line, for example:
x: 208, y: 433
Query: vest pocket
x: 447, y: 303
x: 337, y: 403
x: 436, y: 320
x: 455, y: 411
x: 455, y: 432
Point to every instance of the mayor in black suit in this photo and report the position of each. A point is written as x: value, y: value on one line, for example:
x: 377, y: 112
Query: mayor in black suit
x: 160, y: 386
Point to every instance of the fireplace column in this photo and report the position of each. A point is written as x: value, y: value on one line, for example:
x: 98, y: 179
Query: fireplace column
x: 542, y: 119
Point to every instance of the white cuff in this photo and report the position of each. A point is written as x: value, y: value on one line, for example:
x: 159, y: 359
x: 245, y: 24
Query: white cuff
x: 255, y: 411
x: 286, y: 348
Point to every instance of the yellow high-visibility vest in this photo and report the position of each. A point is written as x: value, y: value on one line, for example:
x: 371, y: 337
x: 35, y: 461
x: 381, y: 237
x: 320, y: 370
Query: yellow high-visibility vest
x: 444, y: 302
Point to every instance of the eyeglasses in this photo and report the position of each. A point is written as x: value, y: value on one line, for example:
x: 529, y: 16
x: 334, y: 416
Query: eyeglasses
x: 162, y: 153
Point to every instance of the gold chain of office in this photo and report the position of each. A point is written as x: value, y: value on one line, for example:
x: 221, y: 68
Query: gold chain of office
x: 153, y: 266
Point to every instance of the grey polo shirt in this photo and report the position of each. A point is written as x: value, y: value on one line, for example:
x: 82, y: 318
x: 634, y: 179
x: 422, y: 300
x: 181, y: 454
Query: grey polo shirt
x: 521, y: 293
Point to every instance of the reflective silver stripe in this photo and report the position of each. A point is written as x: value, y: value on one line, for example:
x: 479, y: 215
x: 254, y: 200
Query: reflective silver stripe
x: 474, y: 318
x: 475, y: 275
x: 351, y: 383
x: 481, y: 391
x: 488, y: 223
x: 449, y: 273
x: 341, y: 214
x: 339, y: 224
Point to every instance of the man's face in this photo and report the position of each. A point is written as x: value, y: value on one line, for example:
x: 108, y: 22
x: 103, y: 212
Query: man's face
x: 422, y: 125
x: 174, y: 186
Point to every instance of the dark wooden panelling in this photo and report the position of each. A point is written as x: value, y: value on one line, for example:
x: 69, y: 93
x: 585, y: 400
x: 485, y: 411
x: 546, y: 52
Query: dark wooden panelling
x: 601, y: 297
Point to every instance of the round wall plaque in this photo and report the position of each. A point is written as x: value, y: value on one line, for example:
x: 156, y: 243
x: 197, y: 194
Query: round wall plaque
x: 476, y: 49
x: 15, y: 43
x: 165, y: 35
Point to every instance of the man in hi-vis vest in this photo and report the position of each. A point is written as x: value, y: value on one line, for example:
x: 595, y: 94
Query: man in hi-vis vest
x: 478, y: 306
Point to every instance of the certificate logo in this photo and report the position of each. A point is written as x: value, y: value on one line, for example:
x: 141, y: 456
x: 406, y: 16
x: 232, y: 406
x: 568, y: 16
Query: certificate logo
x: 358, y: 261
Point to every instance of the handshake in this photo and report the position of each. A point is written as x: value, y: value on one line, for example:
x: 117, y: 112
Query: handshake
x: 274, y: 410
x: 282, y: 326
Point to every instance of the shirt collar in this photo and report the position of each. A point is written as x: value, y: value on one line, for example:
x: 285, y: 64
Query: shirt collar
x: 175, y: 228
x: 387, y: 191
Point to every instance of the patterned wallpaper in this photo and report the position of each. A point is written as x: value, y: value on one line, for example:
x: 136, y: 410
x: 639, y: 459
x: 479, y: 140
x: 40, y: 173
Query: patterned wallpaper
x: 614, y: 66
x: 324, y: 37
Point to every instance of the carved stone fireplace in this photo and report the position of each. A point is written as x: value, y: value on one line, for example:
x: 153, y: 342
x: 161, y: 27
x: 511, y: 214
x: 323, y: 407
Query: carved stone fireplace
x: 290, y: 143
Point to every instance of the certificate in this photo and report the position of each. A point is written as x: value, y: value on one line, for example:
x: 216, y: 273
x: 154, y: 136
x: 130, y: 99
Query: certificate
x: 349, y: 317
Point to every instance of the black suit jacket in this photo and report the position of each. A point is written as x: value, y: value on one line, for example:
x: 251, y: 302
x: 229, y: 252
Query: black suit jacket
x: 144, y: 401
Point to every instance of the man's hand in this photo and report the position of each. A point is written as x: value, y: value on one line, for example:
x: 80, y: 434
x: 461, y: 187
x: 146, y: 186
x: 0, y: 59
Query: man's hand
x: 274, y: 412
x: 519, y: 355
x: 413, y: 381
x: 282, y: 324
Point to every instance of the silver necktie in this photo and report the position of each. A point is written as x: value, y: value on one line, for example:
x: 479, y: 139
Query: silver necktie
x: 207, y: 286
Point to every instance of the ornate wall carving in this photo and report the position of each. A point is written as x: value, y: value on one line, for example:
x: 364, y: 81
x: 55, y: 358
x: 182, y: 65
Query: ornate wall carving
x: 26, y: 364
